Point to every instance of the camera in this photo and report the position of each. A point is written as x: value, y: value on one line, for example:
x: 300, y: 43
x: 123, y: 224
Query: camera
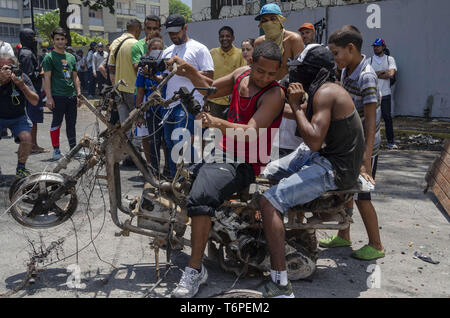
x: 155, y: 65
x: 16, y: 70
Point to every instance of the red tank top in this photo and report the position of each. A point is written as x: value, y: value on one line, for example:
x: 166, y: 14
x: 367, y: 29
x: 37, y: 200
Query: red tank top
x: 241, y: 111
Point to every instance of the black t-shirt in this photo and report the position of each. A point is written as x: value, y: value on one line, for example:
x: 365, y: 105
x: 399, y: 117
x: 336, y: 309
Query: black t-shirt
x: 13, y: 107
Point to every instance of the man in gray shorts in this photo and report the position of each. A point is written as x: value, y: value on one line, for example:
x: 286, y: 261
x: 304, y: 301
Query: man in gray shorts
x: 329, y: 116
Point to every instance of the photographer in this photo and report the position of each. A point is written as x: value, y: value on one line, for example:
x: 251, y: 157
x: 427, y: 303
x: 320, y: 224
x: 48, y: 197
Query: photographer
x: 146, y: 78
x: 29, y: 64
x: 16, y: 90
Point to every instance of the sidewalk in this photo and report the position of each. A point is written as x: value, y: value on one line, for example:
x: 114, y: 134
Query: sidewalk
x: 125, y: 266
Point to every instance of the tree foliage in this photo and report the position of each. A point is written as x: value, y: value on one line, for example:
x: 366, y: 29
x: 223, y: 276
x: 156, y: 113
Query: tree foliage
x: 82, y: 40
x: 98, y: 4
x: 47, y: 22
x: 176, y: 6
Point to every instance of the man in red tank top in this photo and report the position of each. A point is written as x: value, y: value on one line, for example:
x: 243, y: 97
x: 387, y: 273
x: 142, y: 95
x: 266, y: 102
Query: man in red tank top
x: 257, y: 104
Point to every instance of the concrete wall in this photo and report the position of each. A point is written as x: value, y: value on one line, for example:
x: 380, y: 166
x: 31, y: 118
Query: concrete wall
x: 414, y: 30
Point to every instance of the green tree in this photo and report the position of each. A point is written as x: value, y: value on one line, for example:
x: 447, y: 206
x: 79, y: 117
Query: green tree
x: 64, y: 14
x: 176, y: 6
x: 98, y: 4
x: 46, y: 23
x: 81, y: 40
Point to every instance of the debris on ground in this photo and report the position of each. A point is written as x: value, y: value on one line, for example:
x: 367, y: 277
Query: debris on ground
x: 418, y: 142
x: 425, y: 258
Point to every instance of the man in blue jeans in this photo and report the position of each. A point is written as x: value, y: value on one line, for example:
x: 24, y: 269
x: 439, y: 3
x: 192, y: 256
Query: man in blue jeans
x: 15, y: 92
x: 152, y: 132
x: 198, y: 56
x: 386, y: 68
x: 328, y: 117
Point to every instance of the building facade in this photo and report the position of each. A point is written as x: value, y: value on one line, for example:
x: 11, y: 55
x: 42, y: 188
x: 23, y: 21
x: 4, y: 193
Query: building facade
x: 16, y: 14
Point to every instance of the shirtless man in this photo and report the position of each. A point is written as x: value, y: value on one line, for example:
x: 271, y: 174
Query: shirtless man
x: 289, y: 42
x: 328, y: 117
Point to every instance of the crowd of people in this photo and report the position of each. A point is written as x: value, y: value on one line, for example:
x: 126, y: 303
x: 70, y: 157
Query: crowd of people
x: 325, y: 102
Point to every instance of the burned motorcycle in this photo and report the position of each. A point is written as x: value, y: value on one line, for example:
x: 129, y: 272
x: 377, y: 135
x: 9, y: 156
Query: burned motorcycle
x: 236, y: 241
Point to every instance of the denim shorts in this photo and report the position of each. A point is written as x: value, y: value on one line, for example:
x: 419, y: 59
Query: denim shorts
x: 303, y: 176
x: 16, y: 125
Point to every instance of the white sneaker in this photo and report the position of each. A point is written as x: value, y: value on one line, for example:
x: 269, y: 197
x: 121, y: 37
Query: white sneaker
x: 392, y: 146
x: 190, y: 282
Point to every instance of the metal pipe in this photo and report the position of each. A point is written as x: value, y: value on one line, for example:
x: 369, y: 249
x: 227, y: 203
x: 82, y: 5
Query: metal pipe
x: 95, y: 111
x: 127, y: 225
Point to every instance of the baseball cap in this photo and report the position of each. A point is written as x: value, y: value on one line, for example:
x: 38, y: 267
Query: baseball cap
x: 100, y: 44
x: 378, y: 42
x: 174, y: 23
x: 307, y: 26
x: 270, y: 8
x: 315, y: 55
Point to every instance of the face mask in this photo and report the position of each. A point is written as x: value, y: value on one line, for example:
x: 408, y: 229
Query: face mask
x: 272, y: 29
x: 303, y: 74
x: 155, y: 54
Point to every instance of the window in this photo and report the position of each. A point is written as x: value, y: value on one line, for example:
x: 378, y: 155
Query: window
x: 140, y: 9
x: 96, y: 14
x: 154, y: 10
x: 9, y: 4
x: 45, y: 4
x: 7, y: 29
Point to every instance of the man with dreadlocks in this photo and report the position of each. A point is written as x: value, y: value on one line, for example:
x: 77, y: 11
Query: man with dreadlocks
x: 329, y: 116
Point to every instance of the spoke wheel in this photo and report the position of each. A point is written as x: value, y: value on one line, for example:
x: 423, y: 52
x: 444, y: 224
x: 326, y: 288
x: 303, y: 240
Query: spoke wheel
x: 30, y: 195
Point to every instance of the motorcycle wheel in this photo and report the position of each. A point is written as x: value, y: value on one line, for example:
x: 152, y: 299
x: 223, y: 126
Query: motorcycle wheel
x: 299, y: 266
x: 28, y: 196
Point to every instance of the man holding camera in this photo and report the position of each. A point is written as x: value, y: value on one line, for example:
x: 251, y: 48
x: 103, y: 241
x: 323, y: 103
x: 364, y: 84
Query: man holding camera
x: 197, y: 55
x: 31, y: 66
x: 16, y: 90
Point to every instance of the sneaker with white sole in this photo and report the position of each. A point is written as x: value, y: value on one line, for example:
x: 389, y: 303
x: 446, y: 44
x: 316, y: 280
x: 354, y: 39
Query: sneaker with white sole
x: 56, y: 155
x: 269, y: 289
x: 190, y: 282
x: 392, y: 146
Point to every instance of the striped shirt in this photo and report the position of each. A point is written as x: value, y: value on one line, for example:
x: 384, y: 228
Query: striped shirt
x: 362, y: 87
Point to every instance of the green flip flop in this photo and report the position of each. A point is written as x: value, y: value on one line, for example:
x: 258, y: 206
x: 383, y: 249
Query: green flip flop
x: 368, y: 253
x: 334, y: 241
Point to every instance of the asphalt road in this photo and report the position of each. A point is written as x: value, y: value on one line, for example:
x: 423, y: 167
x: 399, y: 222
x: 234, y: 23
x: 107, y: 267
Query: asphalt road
x: 116, y: 266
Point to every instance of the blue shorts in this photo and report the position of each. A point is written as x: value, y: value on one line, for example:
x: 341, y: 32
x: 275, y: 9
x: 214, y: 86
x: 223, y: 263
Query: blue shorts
x: 36, y: 113
x: 303, y: 176
x: 16, y: 125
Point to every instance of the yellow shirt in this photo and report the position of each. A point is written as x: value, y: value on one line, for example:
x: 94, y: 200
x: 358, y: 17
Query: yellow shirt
x: 124, y: 68
x: 224, y: 64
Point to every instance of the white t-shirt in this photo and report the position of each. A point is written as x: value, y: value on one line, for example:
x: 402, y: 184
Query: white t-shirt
x: 5, y: 47
x: 380, y: 64
x: 286, y: 135
x: 195, y: 54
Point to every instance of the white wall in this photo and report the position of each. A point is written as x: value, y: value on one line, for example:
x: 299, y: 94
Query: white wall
x: 415, y: 31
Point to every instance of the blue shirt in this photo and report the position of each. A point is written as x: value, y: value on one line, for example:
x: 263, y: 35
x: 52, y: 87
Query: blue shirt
x: 147, y: 84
